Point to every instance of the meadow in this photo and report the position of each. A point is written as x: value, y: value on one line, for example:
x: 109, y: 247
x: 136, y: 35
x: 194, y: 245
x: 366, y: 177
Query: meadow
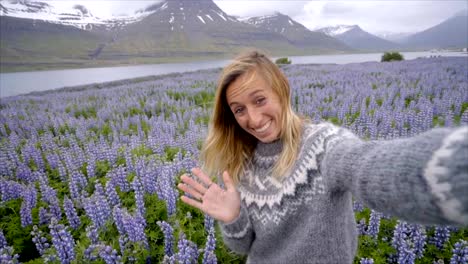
x: 89, y: 175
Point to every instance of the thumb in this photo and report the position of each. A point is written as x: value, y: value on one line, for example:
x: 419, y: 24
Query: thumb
x: 228, y: 181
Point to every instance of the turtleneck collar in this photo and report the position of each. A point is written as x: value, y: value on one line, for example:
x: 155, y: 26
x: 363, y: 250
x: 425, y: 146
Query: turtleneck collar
x: 269, y: 149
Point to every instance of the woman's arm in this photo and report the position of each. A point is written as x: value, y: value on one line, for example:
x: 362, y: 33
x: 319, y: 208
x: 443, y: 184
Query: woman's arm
x: 238, y: 235
x: 420, y: 179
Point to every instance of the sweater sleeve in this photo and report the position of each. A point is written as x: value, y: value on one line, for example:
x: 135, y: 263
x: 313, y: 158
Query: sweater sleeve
x: 421, y: 179
x: 238, y: 235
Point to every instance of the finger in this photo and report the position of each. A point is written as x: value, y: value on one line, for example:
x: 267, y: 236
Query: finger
x: 228, y: 181
x: 193, y: 183
x: 202, y: 176
x: 191, y: 191
x: 191, y: 202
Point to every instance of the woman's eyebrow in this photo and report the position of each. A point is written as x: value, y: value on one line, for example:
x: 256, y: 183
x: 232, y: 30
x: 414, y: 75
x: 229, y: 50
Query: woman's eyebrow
x: 255, y: 92
x: 250, y: 95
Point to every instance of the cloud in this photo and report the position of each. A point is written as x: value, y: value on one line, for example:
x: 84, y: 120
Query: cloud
x: 373, y: 16
x: 379, y: 16
x: 248, y: 8
x: 105, y: 8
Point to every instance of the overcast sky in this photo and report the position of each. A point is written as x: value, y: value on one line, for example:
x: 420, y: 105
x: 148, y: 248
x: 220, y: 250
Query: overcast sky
x: 373, y: 16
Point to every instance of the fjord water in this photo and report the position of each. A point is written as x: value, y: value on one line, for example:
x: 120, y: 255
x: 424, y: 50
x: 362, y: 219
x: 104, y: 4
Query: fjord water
x: 24, y: 82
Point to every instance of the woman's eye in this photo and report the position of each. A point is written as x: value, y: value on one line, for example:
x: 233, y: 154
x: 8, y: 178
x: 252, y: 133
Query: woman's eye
x: 238, y: 110
x: 260, y: 100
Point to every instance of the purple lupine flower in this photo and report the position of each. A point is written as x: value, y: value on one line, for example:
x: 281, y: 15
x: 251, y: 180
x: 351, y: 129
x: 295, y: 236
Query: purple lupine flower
x: 53, y: 160
x: 25, y: 213
x: 188, y: 251
x: 97, y: 208
x: 406, y: 255
x: 400, y: 243
x: 73, y: 187
x: 208, y: 222
x: 44, y: 216
x: 442, y: 235
x: 63, y: 242
x: 139, y: 193
x: 460, y: 253
x: 123, y: 242
x: 80, y: 180
x: 134, y: 228
x: 92, y: 233
x: 3, y: 242
x: 366, y: 261
x: 168, y: 237
x: 71, y: 214
x: 90, y: 252
x: 118, y: 219
x: 91, y: 167
x: 23, y: 172
x: 49, y: 196
x: 62, y: 172
x: 128, y: 161
x: 55, y: 209
x: 29, y: 195
x: 357, y: 206
x: 7, y: 257
x: 361, y: 226
x: 104, y: 211
x: 98, y: 190
x: 119, y: 178
x: 91, y: 211
x: 109, y: 255
x: 168, y: 194
x: 10, y: 190
x: 39, y: 240
x: 209, y: 257
x: 418, y: 236
x: 374, y: 224
x: 112, y: 195
x: 169, y: 260
x: 149, y: 178
x: 464, y: 117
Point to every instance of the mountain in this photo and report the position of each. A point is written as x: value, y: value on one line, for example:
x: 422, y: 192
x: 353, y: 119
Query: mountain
x: 180, y: 28
x: 394, y: 36
x: 451, y: 33
x: 41, y: 35
x: 335, y: 30
x: 77, y: 16
x: 296, y: 33
x: 38, y: 45
x: 359, y: 39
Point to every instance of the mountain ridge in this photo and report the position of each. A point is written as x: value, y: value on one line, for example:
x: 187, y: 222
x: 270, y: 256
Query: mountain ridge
x: 355, y: 37
x: 167, y: 31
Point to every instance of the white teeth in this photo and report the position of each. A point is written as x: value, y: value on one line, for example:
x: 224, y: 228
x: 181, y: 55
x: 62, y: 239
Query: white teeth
x: 264, y: 128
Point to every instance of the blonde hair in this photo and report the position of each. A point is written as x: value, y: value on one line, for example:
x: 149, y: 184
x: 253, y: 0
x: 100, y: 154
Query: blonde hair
x: 228, y: 146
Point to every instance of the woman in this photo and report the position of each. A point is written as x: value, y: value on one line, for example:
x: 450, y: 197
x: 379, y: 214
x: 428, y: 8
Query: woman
x: 289, y: 183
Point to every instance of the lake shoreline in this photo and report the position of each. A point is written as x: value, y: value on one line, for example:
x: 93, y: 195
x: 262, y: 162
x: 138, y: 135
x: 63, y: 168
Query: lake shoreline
x: 13, y: 84
x: 85, y: 64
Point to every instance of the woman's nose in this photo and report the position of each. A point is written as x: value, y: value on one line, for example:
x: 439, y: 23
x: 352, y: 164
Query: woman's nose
x: 255, y: 118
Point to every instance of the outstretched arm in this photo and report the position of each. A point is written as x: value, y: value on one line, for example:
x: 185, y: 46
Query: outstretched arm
x: 223, y: 205
x: 420, y: 179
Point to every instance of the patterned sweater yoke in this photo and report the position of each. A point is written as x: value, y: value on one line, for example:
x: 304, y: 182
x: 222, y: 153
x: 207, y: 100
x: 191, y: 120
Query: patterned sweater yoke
x: 307, y: 217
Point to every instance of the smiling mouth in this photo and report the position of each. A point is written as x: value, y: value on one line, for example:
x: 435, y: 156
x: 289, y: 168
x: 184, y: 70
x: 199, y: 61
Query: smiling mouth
x: 264, y: 128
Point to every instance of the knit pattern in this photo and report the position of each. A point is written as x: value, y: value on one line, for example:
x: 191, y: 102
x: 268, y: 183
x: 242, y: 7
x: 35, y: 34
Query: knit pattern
x: 307, y: 216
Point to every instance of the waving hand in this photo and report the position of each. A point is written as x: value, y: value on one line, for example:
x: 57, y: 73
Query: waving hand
x: 223, y: 205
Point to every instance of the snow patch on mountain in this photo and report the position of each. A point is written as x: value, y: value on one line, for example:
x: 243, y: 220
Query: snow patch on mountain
x: 336, y: 30
x: 78, y: 15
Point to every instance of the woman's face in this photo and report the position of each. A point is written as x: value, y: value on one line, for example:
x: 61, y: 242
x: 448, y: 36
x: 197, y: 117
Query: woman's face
x: 256, y: 107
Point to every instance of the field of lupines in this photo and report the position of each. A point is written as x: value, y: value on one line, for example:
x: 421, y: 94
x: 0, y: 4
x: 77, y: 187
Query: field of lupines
x: 89, y: 175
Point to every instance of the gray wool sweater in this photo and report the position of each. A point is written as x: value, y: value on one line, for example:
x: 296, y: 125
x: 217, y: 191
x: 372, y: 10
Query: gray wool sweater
x: 308, y: 216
